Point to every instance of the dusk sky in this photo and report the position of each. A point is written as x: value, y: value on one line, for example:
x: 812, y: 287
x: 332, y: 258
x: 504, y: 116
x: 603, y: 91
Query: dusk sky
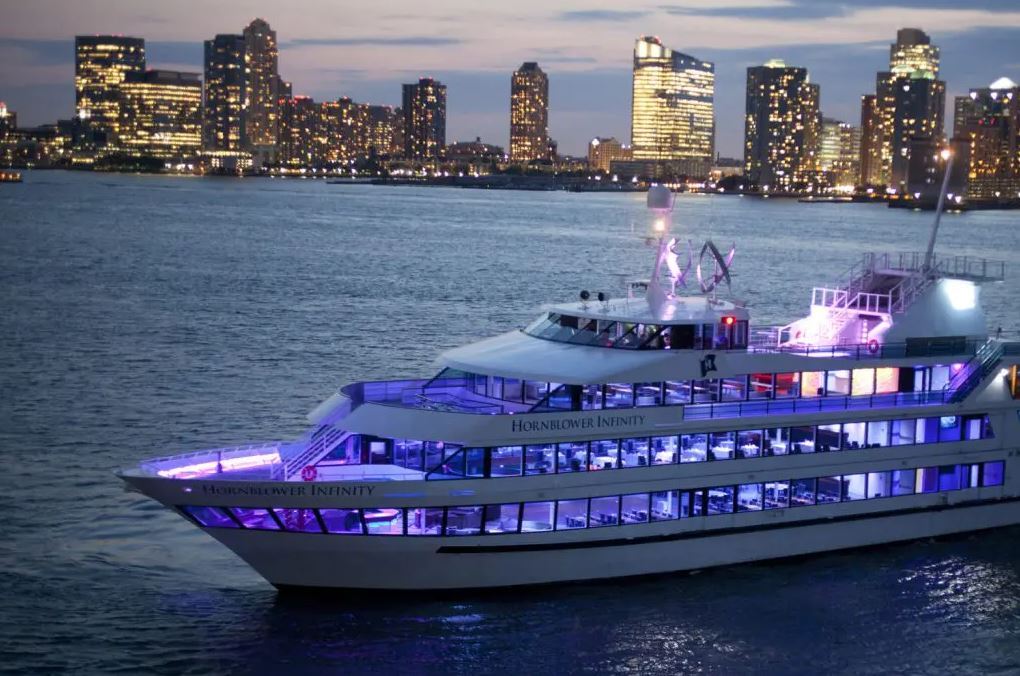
x: 332, y: 48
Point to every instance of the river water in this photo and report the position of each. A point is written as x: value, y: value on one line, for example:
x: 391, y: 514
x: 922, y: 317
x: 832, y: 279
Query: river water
x: 142, y: 315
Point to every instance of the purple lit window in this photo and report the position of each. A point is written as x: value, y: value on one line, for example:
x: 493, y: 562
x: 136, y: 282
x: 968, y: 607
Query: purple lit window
x: 210, y: 517
x: 255, y: 518
x: 464, y: 520
x: 346, y: 521
x: 385, y: 521
x: 994, y: 473
x: 298, y: 520
x: 425, y: 521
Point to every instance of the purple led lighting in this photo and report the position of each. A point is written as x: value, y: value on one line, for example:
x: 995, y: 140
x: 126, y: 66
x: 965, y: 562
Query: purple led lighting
x: 216, y: 466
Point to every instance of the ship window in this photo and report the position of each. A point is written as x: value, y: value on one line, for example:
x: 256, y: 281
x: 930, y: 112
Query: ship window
x: 507, y: 460
x: 388, y: 521
x: 634, y: 508
x: 904, y: 432
x: 705, y: 391
x: 538, y: 517
x: 698, y: 502
x: 464, y: 520
x: 903, y: 481
x: 887, y: 380
x: 694, y: 448
x: 586, y: 334
x: 665, y: 505
x: 734, y: 389
x: 827, y: 438
x: 938, y: 378
x: 571, y: 514
x: 952, y: 477
x: 949, y: 428
x: 812, y: 383
x: 535, y: 391
x: 425, y: 521
x: 803, y: 492
x: 722, y: 445
x: 749, y: 443
x: 973, y: 427
x: 495, y: 387
x: 761, y: 386
x: 480, y: 383
x: 605, y: 454
x: 777, y: 495
x: 855, y: 487
x: 634, y: 452
x: 974, y: 476
x: 681, y: 337
x: 854, y: 433
x: 927, y: 480
x: 878, y: 433
x: 993, y: 473
x: 777, y: 441
x: 540, y: 459
x: 513, y: 389
x: 802, y: 439
x: 502, y: 518
x: 678, y: 392
x: 619, y: 395
x: 298, y: 520
x: 665, y: 450
x: 648, y: 394
x: 409, y: 453
x: 474, y: 462
x: 720, y: 500
x: 787, y: 385
x: 749, y: 498
x: 211, y: 517
x: 573, y: 456
x: 830, y: 489
x: 435, y: 454
x: 254, y: 518
x: 341, y: 521
x: 863, y: 382
x: 604, y: 512
x: 879, y: 484
x: 837, y: 383
x: 591, y: 397
x: 927, y: 430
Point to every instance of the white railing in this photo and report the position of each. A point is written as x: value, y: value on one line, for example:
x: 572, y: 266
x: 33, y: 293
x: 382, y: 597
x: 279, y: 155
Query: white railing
x: 217, y: 460
x: 316, y: 449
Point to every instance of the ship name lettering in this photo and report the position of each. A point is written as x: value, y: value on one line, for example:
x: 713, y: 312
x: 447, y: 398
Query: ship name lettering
x: 598, y: 422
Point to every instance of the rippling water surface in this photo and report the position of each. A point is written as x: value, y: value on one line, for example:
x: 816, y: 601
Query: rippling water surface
x: 143, y: 315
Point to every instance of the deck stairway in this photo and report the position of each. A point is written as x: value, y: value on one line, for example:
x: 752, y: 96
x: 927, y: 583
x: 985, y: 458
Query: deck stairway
x: 984, y: 361
x: 320, y: 444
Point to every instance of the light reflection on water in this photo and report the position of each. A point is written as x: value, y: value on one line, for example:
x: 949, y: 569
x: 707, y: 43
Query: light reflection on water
x: 144, y: 315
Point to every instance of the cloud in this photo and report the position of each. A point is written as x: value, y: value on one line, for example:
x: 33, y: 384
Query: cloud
x: 402, y: 41
x: 785, y: 11
x: 601, y: 15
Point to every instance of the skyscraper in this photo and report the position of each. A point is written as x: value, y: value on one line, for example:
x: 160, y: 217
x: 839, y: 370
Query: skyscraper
x: 919, y: 105
x: 225, y: 93
x: 385, y: 130
x: 301, y: 138
x: 988, y: 121
x: 161, y: 114
x: 871, y: 142
x: 529, y: 114
x: 101, y: 62
x: 424, y: 119
x: 782, y: 127
x: 261, y: 119
x: 839, y: 151
x: 672, y: 109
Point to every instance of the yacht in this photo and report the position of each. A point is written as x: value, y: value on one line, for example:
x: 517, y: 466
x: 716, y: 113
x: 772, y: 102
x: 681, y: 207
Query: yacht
x: 657, y: 432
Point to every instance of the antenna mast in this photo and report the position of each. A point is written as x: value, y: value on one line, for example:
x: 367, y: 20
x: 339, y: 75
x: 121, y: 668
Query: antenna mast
x: 947, y: 155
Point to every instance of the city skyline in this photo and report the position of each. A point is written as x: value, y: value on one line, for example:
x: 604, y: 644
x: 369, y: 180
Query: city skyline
x: 586, y: 49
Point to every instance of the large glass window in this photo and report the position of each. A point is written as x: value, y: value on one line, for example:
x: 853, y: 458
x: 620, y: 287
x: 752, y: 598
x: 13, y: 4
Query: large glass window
x: 665, y: 505
x: 856, y: 486
x: 409, y: 453
x: 211, y: 517
x: 699, y: 502
x: 540, y: 459
x: 837, y: 383
x: 761, y: 386
x: 927, y: 480
x: 828, y: 438
x: 678, y: 392
x: 723, y: 445
x: 538, y: 516
x: 574, y: 456
x: 749, y: 497
x: 346, y: 521
x: 693, y: 448
x: 949, y: 428
x: 706, y: 391
x: 749, y: 443
x: 878, y: 433
x: 502, y: 518
x: 952, y: 477
x: 425, y: 521
x: 787, y: 385
x: 634, y: 508
x: 994, y: 473
x: 812, y: 383
x: 777, y: 441
x: 665, y: 450
x: 604, y: 512
x: 605, y: 454
x: 904, y: 432
x: 777, y: 495
x: 734, y: 389
x: 571, y: 514
x: 464, y: 520
x: 592, y: 397
x: 507, y: 460
x: 879, y: 484
x: 927, y: 430
x: 474, y: 462
x: 855, y: 434
x: 720, y: 500
x: 802, y: 439
x: 261, y: 519
x: 619, y: 395
x: 903, y: 482
x: 863, y: 382
x: 830, y: 489
x: 804, y: 491
x: 634, y: 452
x: 648, y: 394
x: 513, y: 389
x: 887, y: 380
x: 298, y: 520
x: 388, y: 521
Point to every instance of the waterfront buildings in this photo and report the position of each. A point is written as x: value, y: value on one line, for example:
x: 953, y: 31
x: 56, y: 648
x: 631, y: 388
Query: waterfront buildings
x: 161, y: 114
x: 839, y: 152
x: 301, y: 141
x: 672, y: 109
x: 987, y: 122
x: 782, y: 127
x: 225, y: 93
x: 101, y: 63
x: 8, y: 125
x: 424, y: 105
x: 386, y: 131
x: 529, y: 114
x: 261, y: 117
x: 602, y: 152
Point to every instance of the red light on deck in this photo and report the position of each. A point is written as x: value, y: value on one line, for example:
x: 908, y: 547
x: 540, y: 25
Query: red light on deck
x: 728, y: 321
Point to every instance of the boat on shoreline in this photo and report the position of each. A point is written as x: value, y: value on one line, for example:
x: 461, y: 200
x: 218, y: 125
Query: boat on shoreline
x: 661, y: 432
x: 10, y: 176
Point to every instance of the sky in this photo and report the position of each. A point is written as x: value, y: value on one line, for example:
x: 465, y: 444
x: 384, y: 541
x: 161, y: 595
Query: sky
x: 365, y: 50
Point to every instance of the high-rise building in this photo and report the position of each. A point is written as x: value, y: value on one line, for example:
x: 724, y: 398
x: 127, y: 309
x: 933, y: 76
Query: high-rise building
x: 672, y: 108
x: 909, y: 103
x: 385, y: 135
x: 839, y: 151
x: 101, y: 62
x: 424, y: 119
x: 161, y: 114
x: 225, y: 93
x: 988, y: 122
x: 782, y: 127
x: 871, y: 142
x: 8, y: 124
x: 602, y: 152
x: 529, y: 114
x: 262, y: 117
x: 346, y: 129
x: 301, y: 138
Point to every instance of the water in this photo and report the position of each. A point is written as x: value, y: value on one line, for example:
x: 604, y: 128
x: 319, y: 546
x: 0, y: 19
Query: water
x: 143, y: 315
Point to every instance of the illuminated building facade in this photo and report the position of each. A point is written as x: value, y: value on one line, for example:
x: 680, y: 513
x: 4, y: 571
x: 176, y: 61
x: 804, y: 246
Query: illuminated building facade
x: 987, y: 121
x: 424, y: 105
x: 672, y: 108
x: 225, y: 93
x: 920, y: 103
x: 871, y: 142
x: 839, y: 151
x: 8, y: 125
x: 161, y: 114
x: 101, y: 63
x: 782, y: 127
x: 602, y: 152
x: 262, y: 116
x: 529, y: 114
x: 345, y: 130
x: 385, y: 132
x: 301, y: 138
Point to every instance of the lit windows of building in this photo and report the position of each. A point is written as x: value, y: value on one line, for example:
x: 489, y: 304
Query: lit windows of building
x: 424, y: 105
x: 101, y: 63
x: 529, y: 114
x: 672, y: 108
x: 602, y: 152
x: 261, y: 119
x: 839, y: 152
x: 225, y: 93
x: 302, y: 138
x: 161, y: 114
x: 345, y: 130
x: 988, y: 122
x: 385, y: 133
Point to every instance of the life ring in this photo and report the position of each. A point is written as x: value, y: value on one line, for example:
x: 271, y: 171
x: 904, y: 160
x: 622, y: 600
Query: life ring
x: 873, y: 346
x: 308, y: 472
